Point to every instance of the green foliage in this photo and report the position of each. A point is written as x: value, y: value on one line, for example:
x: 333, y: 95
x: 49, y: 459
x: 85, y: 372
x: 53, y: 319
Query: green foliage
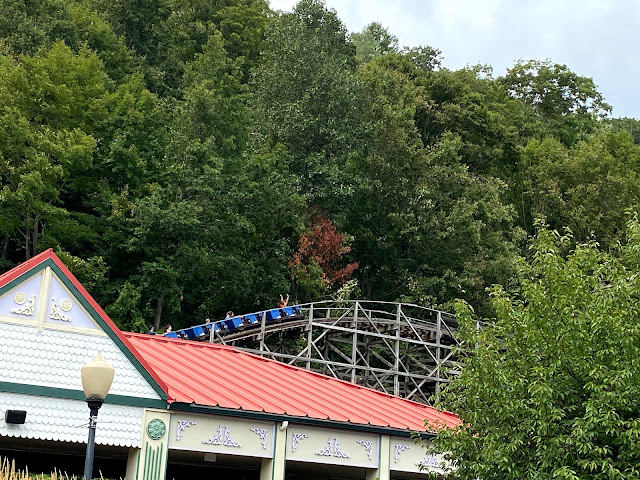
x: 477, y: 108
x: 215, y: 100
x: 26, y: 26
x: 460, y: 232
x: 567, y: 105
x: 99, y: 36
x: 173, y: 151
x: 631, y: 125
x: 49, y: 103
x: 549, y: 387
x: 90, y: 273
x: 132, y: 139
x: 125, y: 310
x: 587, y: 187
x: 304, y: 87
x: 425, y: 228
x: 374, y: 40
x: 424, y: 57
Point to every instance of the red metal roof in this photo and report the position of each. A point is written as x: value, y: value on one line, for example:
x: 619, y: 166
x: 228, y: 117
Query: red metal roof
x: 222, y: 376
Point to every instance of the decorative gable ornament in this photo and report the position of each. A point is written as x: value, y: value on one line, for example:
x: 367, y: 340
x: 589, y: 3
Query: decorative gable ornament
x: 28, y: 309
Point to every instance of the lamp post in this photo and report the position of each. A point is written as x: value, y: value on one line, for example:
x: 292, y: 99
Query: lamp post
x: 97, y: 376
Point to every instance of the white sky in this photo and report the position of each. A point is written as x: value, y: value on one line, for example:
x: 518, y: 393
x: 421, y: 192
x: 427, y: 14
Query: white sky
x: 594, y: 38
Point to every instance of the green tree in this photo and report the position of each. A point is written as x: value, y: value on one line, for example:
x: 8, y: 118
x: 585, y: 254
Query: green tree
x: 425, y: 227
x: 304, y: 89
x: 27, y: 25
x: 587, y: 187
x: 565, y: 104
x: 167, y: 229
x: 167, y: 34
x: 132, y: 140
x: 374, y: 40
x: 476, y: 107
x: 631, y: 125
x: 424, y: 57
x: 48, y: 106
x: 214, y: 112
x: 549, y: 387
x: 98, y: 34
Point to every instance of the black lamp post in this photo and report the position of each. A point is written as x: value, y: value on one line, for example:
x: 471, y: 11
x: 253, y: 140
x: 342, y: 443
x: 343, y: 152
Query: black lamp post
x: 97, y: 376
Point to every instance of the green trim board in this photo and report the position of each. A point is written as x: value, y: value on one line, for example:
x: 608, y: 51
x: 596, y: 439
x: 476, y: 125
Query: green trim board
x: 153, y: 462
x: 29, y: 273
x: 138, y: 465
x: 186, y: 407
x: 166, y: 452
x: 52, y: 392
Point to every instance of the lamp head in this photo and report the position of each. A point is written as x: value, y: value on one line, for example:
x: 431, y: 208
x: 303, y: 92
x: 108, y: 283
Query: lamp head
x: 97, y: 376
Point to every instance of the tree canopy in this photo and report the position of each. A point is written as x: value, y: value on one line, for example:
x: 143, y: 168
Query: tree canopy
x: 549, y: 387
x: 189, y: 157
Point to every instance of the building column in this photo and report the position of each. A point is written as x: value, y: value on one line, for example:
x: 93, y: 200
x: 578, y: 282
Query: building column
x: 151, y: 463
x: 383, y: 472
x: 274, y: 468
x: 132, y: 464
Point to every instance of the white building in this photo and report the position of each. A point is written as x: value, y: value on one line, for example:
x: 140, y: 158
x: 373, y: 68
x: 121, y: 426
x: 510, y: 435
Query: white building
x: 180, y: 409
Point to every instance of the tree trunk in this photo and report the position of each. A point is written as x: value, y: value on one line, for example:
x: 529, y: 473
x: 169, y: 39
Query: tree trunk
x: 27, y: 237
x: 34, y: 241
x: 156, y: 320
x: 5, y: 247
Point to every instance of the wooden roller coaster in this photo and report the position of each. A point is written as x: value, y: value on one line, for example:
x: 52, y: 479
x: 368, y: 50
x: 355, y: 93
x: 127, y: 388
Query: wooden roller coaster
x: 398, y: 348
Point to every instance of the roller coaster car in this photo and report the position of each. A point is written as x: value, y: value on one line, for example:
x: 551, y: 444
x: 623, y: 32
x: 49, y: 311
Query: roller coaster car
x: 234, y: 323
x: 251, y: 319
x: 193, y: 333
x: 292, y: 313
x: 273, y: 315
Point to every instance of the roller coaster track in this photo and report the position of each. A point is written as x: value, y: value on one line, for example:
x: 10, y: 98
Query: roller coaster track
x: 398, y: 348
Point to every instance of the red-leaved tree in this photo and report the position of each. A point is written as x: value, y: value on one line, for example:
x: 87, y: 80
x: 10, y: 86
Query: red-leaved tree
x: 318, y: 265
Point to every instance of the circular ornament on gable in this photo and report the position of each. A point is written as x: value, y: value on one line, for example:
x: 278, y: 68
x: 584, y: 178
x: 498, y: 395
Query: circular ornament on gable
x: 156, y: 429
x: 66, y: 305
x: 20, y: 298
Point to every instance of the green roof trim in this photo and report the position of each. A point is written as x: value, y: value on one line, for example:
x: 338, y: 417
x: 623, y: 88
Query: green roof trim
x: 69, y: 394
x: 29, y: 273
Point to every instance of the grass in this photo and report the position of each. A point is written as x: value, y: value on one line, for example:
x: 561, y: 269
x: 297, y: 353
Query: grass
x: 8, y: 472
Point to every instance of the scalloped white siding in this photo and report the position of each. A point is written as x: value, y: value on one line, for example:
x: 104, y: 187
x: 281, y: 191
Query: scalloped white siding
x: 54, y: 358
x: 68, y: 420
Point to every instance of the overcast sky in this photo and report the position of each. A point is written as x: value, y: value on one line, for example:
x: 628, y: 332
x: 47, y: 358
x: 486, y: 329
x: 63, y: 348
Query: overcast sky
x: 594, y: 38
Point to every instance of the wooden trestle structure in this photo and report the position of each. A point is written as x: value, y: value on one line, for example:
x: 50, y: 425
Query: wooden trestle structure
x: 398, y: 348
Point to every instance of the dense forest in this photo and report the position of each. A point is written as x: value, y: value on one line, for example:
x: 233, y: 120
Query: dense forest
x: 187, y: 157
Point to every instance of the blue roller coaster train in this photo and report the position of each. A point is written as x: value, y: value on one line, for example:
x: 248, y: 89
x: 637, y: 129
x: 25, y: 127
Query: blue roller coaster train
x: 237, y: 323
